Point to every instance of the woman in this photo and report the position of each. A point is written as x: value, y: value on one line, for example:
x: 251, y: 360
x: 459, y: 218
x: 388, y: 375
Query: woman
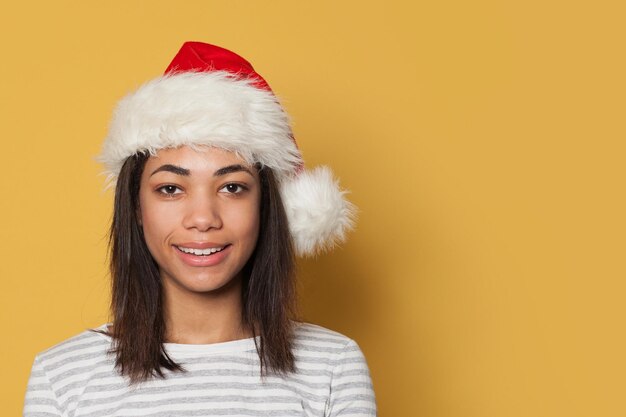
x: 211, y: 204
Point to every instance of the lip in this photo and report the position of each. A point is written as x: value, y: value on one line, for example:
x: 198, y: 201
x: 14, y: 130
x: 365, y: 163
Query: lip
x: 199, y: 260
x: 200, y: 245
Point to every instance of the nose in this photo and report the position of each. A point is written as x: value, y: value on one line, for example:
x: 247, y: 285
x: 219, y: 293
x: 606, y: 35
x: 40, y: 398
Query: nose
x: 202, y: 213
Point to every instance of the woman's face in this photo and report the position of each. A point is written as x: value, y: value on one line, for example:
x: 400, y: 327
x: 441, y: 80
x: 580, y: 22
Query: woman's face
x: 200, y: 215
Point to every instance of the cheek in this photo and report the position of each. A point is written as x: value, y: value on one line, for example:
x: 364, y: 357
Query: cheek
x: 245, y: 221
x: 157, y: 222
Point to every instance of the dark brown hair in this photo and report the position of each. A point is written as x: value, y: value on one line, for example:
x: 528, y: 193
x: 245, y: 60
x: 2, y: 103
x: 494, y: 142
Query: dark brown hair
x: 268, y: 286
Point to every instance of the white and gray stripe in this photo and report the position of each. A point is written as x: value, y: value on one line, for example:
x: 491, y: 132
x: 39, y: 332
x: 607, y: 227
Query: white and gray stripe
x: 77, y: 378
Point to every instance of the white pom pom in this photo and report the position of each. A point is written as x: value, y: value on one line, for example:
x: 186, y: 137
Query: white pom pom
x: 319, y: 216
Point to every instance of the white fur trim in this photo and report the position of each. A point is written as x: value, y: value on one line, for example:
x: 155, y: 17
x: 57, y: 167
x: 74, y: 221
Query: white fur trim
x: 319, y: 216
x: 201, y: 108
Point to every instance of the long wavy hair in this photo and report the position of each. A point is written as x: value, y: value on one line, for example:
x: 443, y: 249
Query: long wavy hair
x: 268, y: 285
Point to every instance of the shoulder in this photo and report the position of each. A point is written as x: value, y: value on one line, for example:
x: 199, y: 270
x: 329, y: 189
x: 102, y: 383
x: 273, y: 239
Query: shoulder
x: 316, y: 339
x: 350, y: 384
x: 312, y: 333
x: 86, y: 345
x: 62, y: 371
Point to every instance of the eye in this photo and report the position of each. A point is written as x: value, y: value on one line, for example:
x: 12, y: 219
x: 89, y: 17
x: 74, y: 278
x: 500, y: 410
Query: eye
x: 233, y: 188
x: 169, y: 190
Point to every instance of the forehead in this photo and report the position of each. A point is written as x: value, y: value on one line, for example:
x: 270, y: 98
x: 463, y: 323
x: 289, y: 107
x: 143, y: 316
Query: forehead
x: 197, y: 159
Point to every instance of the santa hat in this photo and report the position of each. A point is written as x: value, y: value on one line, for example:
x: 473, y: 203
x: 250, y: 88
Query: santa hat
x: 212, y: 96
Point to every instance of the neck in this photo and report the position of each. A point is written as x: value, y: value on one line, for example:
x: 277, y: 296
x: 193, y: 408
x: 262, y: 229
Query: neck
x: 203, y: 318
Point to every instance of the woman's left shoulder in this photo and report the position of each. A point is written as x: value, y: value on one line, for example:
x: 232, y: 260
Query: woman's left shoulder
x: 311, y: 330
x: 313, y: 336
x: 350, y: 384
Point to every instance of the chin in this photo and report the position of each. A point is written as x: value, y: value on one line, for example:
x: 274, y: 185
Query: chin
x: 204, y: 282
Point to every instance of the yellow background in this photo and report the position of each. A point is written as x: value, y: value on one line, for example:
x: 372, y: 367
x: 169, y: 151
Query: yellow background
x: 482, y: 140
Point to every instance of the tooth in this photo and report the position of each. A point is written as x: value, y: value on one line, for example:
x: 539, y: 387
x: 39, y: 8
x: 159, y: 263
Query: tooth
x: 200, y: 252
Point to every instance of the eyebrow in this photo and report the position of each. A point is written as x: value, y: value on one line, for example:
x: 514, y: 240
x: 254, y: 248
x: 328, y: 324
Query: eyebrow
x: 185, y: 172
x: 172, y: 168
x: 230, y: 169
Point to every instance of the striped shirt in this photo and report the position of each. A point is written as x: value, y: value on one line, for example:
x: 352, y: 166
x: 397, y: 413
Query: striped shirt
x: 77, y: 378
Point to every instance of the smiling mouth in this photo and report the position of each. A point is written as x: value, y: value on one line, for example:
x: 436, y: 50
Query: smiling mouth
x: 201, y: 252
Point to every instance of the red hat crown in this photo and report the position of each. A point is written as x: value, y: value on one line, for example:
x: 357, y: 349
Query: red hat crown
x: 204, y: 57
